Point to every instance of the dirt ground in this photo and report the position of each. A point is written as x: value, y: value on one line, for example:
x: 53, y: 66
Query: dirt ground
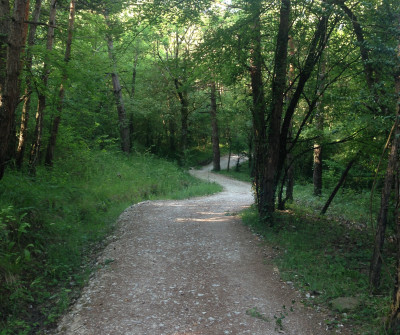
x: 189, y: 267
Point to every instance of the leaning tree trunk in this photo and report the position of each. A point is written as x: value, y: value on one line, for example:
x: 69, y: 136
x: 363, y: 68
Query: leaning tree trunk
x: 123, y: 120
x: 37, y: 140
x: 10, y: 93
x: 23, y: 131
x: 61, y: 93
x: 270, y: 175
x: 338, y: 185
x: 214, y: 126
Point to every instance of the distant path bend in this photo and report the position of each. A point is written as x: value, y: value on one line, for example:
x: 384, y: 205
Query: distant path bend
x: 188, y: 267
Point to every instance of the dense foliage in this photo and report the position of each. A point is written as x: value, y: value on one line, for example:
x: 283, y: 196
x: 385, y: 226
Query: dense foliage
x: 309, y: 91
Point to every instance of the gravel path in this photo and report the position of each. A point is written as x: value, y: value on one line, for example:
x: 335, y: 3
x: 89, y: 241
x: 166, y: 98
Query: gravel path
x: 189, y: 267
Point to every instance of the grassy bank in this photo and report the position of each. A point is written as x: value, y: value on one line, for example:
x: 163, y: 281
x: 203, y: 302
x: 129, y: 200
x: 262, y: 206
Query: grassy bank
x: 326, y: 257
x: 53, y: 224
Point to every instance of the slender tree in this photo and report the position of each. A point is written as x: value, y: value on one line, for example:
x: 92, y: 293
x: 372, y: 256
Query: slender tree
x: 37, y: 140
x: 394, y: 320
x: 319, y: 124
x: 288, y: 178
x: 61, y: 93
x: 124, y: 128
x: 372, y: 79
x: 214, y: 127
x: 28, y: 89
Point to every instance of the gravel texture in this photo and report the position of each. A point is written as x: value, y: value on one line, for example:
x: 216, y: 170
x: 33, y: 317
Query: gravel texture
x: 189, y: 267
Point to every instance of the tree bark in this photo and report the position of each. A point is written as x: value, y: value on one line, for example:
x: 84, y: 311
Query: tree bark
x: 288, y: 178
x: 10, y: 94
x: 5, y: 19
x: 37, y: 142
x: 214, y: 126
x: 124, y: 128
x: 61, y: 93
x: 338, y: 185
x: 376, y: 261
x: 12, y: 145
x: 258, y: 108
x: 394, y: 321
x: 317, y: 46
x: 183, y: 99
x: 23, y: 131
x: 317, y: 155
x: 270, y: 175
x: 319, y: 118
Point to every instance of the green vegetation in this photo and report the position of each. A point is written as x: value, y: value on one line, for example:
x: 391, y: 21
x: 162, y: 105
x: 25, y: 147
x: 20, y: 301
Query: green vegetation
x: 311, y: 85
x: 253, y: 312
x: 51, y: 226
x: 243, y: 173
x: 328, y: 257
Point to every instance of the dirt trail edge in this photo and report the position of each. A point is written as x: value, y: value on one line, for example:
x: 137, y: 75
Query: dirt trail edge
x: 188, y: 267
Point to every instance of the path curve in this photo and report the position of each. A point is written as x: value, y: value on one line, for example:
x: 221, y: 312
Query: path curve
x: 188, y: 267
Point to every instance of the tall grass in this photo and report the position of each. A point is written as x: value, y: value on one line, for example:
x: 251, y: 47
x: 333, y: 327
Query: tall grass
x: 52, y: 224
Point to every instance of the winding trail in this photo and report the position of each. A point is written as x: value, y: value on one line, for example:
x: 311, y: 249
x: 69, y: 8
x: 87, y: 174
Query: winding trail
x: 189, y: 267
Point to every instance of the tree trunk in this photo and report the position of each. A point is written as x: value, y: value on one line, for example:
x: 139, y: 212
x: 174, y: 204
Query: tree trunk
x: 316, y: 48
x: 319, y: 118
x: 290, y: 173
x: 230, y: 150
x: 124, y: 128
x: 317, y: 170
x: 257, y: 92
x: 394, y: 321
x: 270, y: 176
x: 250, y: 147
x: 183, y: 99
x: 214, y: 126
x: 376, y: 261
x: 288, y: 178
x: 37, y: 142
x: 5, y: 19
x: 338, y: 185
x: 10, y: 94
x: 61, y: 93
x: 23, y: 132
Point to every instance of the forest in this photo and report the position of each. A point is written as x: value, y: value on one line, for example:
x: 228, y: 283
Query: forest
x: 108, y: 103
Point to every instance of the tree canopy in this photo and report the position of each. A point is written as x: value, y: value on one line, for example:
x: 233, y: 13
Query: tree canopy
x: 308, y: 90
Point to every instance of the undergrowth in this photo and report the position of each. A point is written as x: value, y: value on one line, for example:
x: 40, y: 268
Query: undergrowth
x: 327, y: 257
x: 51, y: 225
